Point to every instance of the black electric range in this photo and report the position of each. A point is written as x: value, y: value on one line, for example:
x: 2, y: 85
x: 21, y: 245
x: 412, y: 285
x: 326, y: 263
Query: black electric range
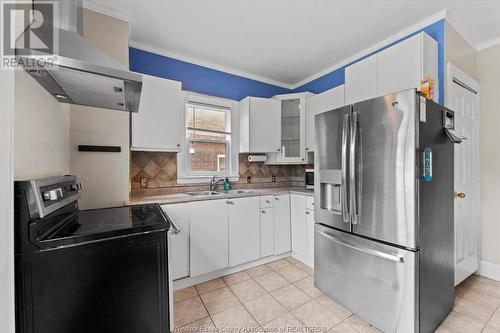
x: 99, y: 270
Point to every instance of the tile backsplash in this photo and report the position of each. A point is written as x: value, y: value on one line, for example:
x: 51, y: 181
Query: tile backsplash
x: 159, y: 170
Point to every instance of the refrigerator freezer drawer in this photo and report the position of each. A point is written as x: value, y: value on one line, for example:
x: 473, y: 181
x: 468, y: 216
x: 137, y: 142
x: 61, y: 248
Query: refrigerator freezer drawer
x: 377, y: 282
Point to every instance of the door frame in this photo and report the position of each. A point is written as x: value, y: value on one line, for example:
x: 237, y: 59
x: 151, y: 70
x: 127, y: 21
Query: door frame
x: 7, y: 316
x: 467, y: 82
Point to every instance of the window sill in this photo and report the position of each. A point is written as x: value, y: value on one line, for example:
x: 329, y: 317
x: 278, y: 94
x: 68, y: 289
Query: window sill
x: 204, y: 179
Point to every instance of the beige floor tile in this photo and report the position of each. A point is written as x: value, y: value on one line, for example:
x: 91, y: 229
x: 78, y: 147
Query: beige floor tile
x: 475, y: 296
x: 209, y: 286
x: 265, y: 308
x: 461, y: 324
x: 443, y: 329
x: 182, y: 294
x: 248, y: 290
x: 271, y: 281
x: 309, y: 270
x: 495, y: 320
x: 361, y: 325
x: 489, y: 329
x: 292, y: 260
x: 285, y: 323
x: 292, y: 273
x: 343, y: 328
x: 275, y: 265
x: 307, y: 286
x: 236, y: 278
x: 259, y: 270
x: 291, y: 297
x: 334, y: 307
x: 474, y: 310
x: 188, y: 311
x: 484, y: 285
x: 219, y: 299
x: 316, y: 317
x: 204, y: 325
x: 233, y: 319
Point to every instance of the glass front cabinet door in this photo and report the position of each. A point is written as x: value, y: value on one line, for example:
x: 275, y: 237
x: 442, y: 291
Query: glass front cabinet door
x: 292, y: 150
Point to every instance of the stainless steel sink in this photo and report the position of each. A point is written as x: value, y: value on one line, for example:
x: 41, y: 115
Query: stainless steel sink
x: 236, y: 191
x: 204, y: 193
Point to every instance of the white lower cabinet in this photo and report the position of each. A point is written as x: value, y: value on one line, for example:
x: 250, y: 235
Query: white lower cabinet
x: 209, y: 244
x: 179, y: 214
x: 310, y: 235
x: 266, y: 231
x: 299, y: 226
x: 244, y: 230
x: 302, y: 221
x: 282, y: 230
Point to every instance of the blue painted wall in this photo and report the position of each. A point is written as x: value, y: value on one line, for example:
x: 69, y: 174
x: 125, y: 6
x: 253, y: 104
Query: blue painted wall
x: 217, y: 83
x: 337, y: 77
x: 200, y: 79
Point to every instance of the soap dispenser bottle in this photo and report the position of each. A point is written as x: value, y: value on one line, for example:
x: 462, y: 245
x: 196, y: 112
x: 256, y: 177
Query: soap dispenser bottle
x: 227, y: 184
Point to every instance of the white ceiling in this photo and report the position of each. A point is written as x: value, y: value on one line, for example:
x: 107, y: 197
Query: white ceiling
x: 288, y: 42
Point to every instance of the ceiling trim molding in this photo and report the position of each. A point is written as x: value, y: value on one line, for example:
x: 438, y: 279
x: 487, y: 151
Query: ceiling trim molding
x: 105, y: 11
x: 207, y: 64
x: 488, y: 44
x: 420, y: 25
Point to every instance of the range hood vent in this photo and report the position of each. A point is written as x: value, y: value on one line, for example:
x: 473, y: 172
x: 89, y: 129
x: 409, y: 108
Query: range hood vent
x: 81, y: 73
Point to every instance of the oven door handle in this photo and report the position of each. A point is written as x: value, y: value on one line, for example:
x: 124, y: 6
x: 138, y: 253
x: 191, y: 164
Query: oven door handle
x: 174, y: 228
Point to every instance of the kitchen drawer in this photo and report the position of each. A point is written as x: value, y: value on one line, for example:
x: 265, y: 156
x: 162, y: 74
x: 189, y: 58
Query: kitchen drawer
x: 309, y: 202
x: 376, y: 281
x: 266, y: 201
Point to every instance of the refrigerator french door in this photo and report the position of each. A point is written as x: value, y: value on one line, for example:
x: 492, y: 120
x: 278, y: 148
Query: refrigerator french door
x: 373, y: 209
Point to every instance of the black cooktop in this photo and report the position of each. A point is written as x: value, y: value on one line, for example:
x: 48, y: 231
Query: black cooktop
x: 95, y: 224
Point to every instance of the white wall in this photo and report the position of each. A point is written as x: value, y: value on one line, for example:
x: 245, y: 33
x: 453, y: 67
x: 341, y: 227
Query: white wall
x: 6, y: 203
x: 105, y: 176
x: 41, y: 127
x: 488, y: 72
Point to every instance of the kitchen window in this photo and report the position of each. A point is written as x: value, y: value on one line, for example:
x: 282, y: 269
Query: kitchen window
x: 208, y: 139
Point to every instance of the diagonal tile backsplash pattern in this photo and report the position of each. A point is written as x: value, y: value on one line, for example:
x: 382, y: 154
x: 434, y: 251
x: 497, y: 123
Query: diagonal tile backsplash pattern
x: 159, y: 169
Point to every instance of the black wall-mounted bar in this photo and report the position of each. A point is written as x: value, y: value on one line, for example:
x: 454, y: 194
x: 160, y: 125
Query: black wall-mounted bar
x: 100, y: 149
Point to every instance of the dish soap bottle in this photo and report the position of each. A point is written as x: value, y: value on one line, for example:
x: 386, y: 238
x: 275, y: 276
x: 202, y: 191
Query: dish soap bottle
x: 227, y: 184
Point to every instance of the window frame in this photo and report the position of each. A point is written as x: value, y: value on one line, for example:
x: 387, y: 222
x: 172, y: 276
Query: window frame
x: 184, y: 173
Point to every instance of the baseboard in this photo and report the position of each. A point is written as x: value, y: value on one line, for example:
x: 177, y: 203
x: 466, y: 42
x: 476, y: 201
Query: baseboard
x: 190, y: 281
x: 489, y: 270
x: 303, y: 259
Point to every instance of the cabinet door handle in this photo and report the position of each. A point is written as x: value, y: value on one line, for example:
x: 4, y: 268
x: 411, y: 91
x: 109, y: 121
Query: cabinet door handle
x: 268, y: 201
x: 263, y: 212
x: 276, y: 198
x: 307, y: 212
x: 230, y: 202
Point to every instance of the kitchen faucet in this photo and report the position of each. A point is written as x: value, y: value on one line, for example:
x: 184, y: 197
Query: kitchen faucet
x: 213, y: 182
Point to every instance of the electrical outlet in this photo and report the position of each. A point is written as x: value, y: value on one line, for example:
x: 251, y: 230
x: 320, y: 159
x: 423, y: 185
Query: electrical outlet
x: 273, y: 179
x: 144, y: 182
x: 249, y: 179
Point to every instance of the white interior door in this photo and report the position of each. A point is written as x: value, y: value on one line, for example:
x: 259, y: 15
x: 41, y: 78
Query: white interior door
x: 463, y: 98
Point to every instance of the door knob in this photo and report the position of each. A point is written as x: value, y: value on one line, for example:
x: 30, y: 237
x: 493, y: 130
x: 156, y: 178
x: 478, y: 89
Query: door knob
x: 460, y: 195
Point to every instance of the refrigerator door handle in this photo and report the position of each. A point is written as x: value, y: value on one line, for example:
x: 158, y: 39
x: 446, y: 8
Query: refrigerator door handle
x: 343, y: 181
x: 353, y: 190
x: 357, y: 247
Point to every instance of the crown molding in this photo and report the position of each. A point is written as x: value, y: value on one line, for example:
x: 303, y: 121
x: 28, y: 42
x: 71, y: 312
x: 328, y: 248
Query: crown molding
x: 105, y: 11
x: 488, y: 44
x: 420, y: 25
x: 207, y: 64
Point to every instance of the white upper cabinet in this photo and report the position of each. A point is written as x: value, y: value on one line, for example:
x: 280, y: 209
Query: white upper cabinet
x: 399, y: 67
x: 260, y: 125
x: 316, y: 104
x: 405, y: 64
x: 157, y: 125
x: 361, y: 80
x: 293, y: 127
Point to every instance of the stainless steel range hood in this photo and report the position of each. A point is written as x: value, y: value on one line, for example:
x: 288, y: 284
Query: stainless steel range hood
x: 81, y: 73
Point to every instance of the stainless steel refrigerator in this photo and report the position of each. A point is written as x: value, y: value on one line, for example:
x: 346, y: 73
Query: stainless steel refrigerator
x: 384, y: 210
